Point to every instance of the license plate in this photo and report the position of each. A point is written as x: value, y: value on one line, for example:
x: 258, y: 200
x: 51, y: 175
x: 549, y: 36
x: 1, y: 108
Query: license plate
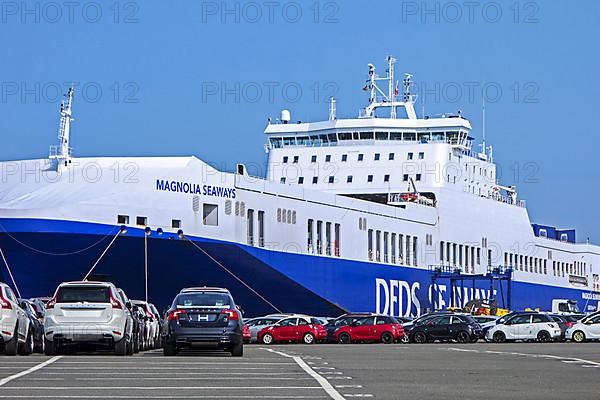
x: 202, y: 318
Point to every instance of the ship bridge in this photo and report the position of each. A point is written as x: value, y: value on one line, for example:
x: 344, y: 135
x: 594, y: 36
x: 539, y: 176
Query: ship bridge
x: 385, y: 159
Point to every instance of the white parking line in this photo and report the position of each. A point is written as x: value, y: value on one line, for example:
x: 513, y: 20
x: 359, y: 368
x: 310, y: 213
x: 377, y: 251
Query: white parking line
x: 4, y: 381
x: 566, y: 360
x: 329, y: 389
x: 170, y: 388
x: 167, y: 397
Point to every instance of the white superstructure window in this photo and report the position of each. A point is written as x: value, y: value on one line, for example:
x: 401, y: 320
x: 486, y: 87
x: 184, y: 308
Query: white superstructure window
x: 143, y: 221
x: 123, y: 219
x: 175, y: 223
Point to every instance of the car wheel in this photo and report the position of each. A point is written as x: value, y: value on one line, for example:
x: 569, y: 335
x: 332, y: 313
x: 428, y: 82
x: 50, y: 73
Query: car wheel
x: 49, y: 347
x: 405, y: 339
x: 579, y: 336
x: 267, y: 338
x: 463, y: 337
x: 475, y: 339
x: 40, y: 346
x: 308, y: 338
x: 121, y: 347
x: 129, y: 347
x: 136, y: 344
x: 344, y: 338
x: 420, y: 337
x: 11, y: 347
x: 169, y: 349
x: 387, y: 338
x: 27, y: 348
x: 544, y: 337
x: 237, y: 350
x: 499, y: 337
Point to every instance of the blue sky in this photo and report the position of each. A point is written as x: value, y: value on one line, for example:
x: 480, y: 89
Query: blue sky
x: 152, y: 75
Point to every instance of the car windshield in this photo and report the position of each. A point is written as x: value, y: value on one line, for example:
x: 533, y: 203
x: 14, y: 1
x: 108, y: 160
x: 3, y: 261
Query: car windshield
x: 89, y: 294
x: 202, y: 299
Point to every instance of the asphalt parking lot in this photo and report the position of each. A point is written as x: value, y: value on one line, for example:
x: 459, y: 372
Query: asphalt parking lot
x: 399, y: 371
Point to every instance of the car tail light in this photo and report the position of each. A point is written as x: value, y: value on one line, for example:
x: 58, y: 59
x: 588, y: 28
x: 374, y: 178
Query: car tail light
x: 569, y: 324
x: 231, y: 314
x: 4, y: 302
x: 50, y: 304
x: 149, y: 314
x: 115, y: 303
x: 174, y: 315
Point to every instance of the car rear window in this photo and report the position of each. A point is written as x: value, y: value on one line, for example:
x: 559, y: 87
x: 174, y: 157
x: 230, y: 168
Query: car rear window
x: 90, y: 294
x: 202, y: 300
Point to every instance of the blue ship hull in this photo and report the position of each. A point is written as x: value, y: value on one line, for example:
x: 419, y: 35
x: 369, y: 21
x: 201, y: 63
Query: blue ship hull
x: 44, y: 253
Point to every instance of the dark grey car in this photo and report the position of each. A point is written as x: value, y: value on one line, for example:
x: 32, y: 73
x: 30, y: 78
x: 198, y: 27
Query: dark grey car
x: 202, y: 317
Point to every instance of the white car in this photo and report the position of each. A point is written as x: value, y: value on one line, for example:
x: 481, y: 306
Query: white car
x: 88, y: 312
x: 529, y: 326
x: 586, y: 329
x: 152, y: 325
x: 14, y: 324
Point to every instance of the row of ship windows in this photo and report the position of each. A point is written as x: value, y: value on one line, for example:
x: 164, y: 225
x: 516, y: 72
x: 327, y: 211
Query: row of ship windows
x: 462, y: 256
x: 350, y: 178
x: 327, y: 238
x: 526, y: 263
x: 404, y: 252
x: 143, y: 221
x: 539, y: 265
x: 361, y: 156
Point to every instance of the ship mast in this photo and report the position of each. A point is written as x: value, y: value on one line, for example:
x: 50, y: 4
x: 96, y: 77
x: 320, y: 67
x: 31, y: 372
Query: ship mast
x: 62, y: 152
x: 378, y: 98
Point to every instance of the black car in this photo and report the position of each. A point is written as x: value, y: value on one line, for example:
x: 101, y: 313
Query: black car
x: 200, y: 317
x: 340, y: 321
x: 35, y: 325
x: 459, y: 327
x: 139, y: 327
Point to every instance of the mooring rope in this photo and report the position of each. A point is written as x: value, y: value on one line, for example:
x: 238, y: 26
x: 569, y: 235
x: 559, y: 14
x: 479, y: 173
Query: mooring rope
x: 10, y: 273
x: 102, y: 255
x: 232, y: 274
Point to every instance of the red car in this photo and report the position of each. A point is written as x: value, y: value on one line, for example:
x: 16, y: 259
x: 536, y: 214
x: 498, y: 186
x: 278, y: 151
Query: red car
x: 379, y: 328
x: 294, y: 329
x: 246, y: 334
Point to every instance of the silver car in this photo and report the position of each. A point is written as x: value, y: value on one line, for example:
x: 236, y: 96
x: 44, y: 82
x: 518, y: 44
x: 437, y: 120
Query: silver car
x: 255, y: 325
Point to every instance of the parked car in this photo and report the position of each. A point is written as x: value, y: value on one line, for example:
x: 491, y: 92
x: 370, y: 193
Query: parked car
x: 564, y: 322
x: 200, y: 316
x: 36, y: 326
x: 255, y: 325
x: 152, y: 325
x: 157, y: 338
x: 139, y: 328
x: 246, y: 335
x: 484, y: 319
x: 586, y: 329
x: 379, y: 328
x: 525, y: 326
x: 340, y: 321
x: 459, y: 327
x: 304, y: 329
x: 408, y: 325
x: 88, y: 312
x: 15, y: 334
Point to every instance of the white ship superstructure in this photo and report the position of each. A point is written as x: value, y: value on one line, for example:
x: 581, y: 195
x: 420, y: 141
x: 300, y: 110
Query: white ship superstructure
x: 354, y: 214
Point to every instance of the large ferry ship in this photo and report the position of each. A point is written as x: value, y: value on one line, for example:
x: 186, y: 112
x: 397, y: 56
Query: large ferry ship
x: 387, y: 212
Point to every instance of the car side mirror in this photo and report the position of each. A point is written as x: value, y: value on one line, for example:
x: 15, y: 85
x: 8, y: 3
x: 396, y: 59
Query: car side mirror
x: 240, y: 309
x: 128, y: 305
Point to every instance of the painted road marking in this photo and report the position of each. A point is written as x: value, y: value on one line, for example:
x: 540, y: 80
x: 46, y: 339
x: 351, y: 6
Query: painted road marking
x: 4, y: 381
x: 329, y: 389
